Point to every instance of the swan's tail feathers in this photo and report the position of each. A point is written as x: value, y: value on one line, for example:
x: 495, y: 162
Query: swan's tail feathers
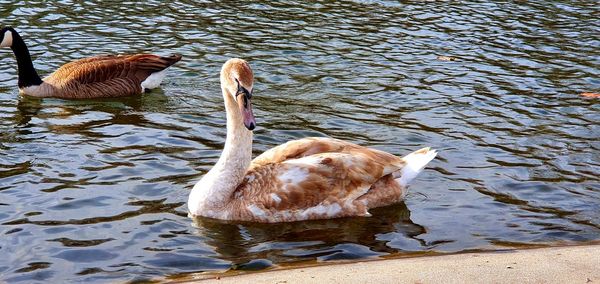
x: 415, y: 163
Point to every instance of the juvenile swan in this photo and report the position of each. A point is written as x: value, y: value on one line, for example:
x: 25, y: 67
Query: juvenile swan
x: 310, y: 178
x: 94, y: 77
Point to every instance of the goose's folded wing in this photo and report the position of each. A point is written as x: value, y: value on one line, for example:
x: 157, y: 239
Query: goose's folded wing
x: 105, y: 68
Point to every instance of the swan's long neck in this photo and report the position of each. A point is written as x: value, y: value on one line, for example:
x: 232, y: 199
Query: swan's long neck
x: 215, y: 189
x: 27, y: 74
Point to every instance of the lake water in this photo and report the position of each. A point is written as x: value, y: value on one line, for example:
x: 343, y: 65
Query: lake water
x: 95, y: 190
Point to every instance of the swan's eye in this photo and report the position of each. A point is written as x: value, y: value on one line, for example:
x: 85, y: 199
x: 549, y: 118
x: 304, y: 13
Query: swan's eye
x: 242, y: 91
x: 245, y: 102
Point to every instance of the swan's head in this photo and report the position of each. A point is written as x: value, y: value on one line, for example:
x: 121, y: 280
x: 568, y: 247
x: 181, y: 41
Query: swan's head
x: 6, y: 37
x: 237, y: 80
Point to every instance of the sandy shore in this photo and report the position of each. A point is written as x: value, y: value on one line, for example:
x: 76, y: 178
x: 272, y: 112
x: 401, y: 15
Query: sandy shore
x: 573, y: 264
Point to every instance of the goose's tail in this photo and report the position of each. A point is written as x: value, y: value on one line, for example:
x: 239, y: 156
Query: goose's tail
x: 415, y: 163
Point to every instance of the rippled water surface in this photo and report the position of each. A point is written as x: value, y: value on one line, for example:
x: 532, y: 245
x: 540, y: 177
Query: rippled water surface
x: 95, y: 190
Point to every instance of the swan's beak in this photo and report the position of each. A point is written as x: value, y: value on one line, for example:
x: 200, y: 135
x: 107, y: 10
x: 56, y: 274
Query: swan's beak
x: 245, y: 105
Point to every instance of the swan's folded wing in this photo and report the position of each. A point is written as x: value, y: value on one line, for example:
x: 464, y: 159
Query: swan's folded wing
x: 316, y: 186
x: 302, y: 148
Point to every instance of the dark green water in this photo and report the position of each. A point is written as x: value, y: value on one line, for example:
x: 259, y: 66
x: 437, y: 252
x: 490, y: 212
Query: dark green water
x: 96, y: 190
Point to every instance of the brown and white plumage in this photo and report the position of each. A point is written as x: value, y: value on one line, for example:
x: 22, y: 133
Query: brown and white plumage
x: 94, y: 77
x: 104, y: 76
x: 310, y: 178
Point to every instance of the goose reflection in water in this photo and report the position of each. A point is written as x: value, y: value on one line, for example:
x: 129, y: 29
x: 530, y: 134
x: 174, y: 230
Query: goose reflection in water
x: 30, y: 107
x: 256, y: 245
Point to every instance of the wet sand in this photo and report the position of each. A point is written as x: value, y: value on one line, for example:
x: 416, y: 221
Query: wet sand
x: 572, y: 264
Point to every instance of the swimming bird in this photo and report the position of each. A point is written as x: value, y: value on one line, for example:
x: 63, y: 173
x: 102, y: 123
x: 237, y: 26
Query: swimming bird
x: 310, y: 178
x: 93, y: 77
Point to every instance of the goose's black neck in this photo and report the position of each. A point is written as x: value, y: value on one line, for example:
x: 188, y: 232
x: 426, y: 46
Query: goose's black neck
x: 27, y: 74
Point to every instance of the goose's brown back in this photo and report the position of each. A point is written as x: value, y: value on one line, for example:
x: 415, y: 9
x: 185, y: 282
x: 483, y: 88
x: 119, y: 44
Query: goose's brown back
x: 106, y: 76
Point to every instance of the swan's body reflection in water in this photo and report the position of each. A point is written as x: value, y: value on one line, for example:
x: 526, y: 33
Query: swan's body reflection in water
x: 256, y: 245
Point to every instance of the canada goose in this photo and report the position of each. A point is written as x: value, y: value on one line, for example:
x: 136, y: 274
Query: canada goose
x: 94, y: 77
x: 310, y: 178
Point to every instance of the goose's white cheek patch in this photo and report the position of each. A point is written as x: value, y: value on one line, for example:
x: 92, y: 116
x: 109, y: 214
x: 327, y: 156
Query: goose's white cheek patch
x: 7, y: 39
